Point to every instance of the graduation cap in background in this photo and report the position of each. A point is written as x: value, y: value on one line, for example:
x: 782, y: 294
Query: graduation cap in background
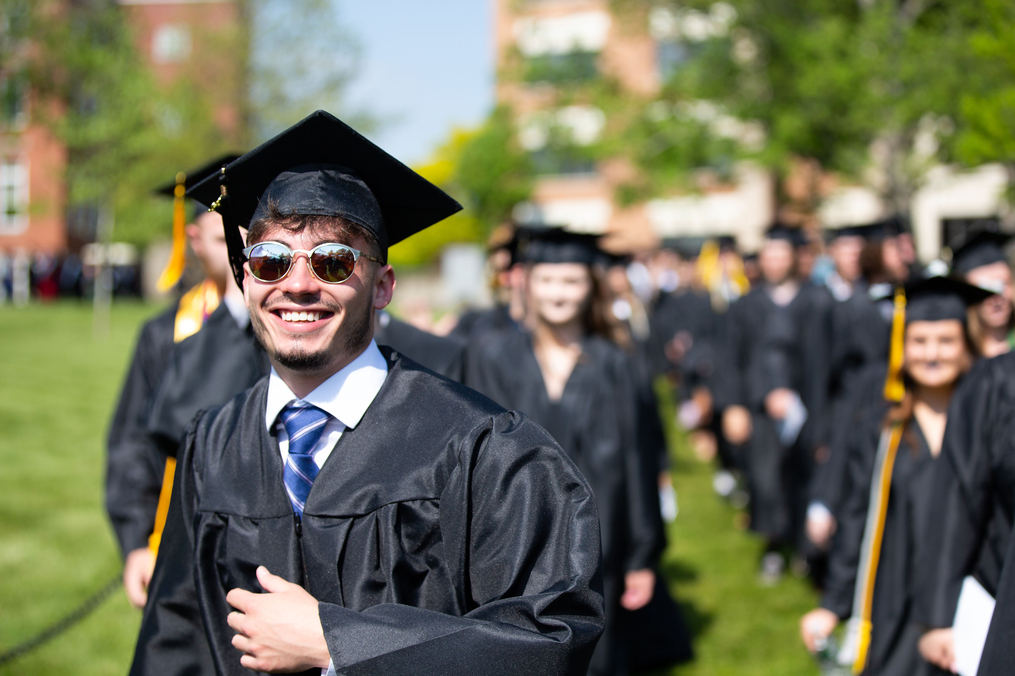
x: 794, y: 236
x: 686, y: 246
x: 726, y: 242
x: 322, y: 167
x: 885, y: 228
x: 557, y: 245
x: 927, y: 299
x: 176, y: 189
x: 979, y: 247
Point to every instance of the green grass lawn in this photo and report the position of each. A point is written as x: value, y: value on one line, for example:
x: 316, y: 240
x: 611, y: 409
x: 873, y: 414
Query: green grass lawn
x: 57, y: 391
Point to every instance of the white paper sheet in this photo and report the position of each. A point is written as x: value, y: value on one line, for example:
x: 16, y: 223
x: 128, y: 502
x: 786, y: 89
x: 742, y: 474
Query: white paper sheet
x: 972, y: 619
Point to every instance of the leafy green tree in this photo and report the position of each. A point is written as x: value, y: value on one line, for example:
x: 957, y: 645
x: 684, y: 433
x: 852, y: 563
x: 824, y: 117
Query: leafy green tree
x: 302, y: 58
x: 893, y: 84
x: 492, y: 171
x: 443, y: 170
x: 123, y: 133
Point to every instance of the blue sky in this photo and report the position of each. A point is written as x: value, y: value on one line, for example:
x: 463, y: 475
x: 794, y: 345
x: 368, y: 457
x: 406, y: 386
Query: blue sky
x: 427, y: 66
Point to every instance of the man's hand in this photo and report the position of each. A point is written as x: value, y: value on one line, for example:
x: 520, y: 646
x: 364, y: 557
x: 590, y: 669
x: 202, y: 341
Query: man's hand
x: 821, y: 526
x: 736, y: 425
x: 137, y: 573
x: 279, y: 631
x: 817, y: 624
x: 638, y: 588
x: 778, y: 402
x: 937, y: 646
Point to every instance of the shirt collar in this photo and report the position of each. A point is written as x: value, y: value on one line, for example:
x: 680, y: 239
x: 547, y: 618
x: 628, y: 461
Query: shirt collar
x: 346, y: 395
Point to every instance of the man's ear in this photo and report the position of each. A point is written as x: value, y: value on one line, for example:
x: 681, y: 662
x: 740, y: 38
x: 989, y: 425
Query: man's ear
x: 384, y: 287
x: 194, y: 237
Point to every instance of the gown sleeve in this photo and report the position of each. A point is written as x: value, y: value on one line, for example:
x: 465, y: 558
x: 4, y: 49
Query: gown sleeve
x: 172, y: 639
x: 521, y: 539
x: 134, y: 466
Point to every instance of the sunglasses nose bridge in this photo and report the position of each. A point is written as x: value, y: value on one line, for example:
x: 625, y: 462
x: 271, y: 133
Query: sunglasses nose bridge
x: 297, y: 270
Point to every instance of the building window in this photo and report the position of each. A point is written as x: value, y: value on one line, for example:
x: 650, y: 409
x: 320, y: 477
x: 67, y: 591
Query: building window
x: 562, y: 68
x: 562, y: 141
x: 13, y: 197
x: 564, y: 48
x: 682, y: 34
x: 171, y: 43
x: 13, y: 112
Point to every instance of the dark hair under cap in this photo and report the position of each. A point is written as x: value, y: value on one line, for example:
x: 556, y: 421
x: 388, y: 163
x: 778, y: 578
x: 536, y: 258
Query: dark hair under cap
x: 556, y: 245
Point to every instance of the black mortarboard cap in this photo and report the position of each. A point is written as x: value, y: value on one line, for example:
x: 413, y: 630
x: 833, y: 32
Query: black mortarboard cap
x: 176, y: 189
x: 727, y: 242
x: 787, y: 234
x: 321, y: 166
x: 983, y: 246
x: 864, y: 231
x: 935, y: 299
x: 878, y: 230
x: 686, y: 246
x: 556, y: 245
x: 195, y: 176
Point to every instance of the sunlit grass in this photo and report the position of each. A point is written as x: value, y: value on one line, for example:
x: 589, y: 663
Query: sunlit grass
x: 57, y: 392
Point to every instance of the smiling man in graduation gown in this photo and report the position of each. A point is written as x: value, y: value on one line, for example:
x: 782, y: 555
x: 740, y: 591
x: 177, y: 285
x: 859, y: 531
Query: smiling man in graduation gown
x: 354, y: 513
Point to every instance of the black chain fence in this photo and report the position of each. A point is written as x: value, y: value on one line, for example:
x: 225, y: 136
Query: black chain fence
x: 64, y: 623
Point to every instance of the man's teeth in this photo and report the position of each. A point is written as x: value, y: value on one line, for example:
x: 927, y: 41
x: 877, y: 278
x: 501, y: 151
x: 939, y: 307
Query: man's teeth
x: 301, y: 316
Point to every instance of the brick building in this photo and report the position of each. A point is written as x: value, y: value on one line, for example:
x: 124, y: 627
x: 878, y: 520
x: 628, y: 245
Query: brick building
x: 544, y: 46
x: 174, y: 36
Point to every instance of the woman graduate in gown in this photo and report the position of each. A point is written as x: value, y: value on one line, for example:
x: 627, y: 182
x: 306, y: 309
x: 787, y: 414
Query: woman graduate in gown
x: 880, y: 544
x: 975, y: 482
x: 569, y: 377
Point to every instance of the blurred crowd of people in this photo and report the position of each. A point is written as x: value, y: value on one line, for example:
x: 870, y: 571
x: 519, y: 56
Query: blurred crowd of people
x: 853, y: 402
x: 41, y: 276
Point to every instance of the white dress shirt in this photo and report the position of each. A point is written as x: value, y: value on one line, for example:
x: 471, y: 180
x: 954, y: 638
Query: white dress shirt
x: 345, y: 396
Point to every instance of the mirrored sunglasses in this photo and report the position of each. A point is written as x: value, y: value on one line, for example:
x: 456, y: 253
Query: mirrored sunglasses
x: 330, y: 262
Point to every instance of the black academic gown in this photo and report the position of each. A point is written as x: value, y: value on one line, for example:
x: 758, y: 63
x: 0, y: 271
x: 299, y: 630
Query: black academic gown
x: 998, y: 657
x: 204, y: 370
x: 975, y: 484
x: 445, y: 356
x: 474, y: 324
x: 685, y: 312
x: 769, y: 347
x: 134, y: 467
x: 859, y: 330
x: 444, y: 535
x: 596, y: 423
x: 904, y: 547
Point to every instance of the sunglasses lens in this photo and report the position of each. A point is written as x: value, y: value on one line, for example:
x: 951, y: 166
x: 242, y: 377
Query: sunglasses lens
x: 333, y: 263
x: 269, y: 262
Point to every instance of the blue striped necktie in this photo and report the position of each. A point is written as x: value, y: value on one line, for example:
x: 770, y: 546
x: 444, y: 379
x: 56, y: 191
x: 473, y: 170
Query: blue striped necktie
x: 304, y: 424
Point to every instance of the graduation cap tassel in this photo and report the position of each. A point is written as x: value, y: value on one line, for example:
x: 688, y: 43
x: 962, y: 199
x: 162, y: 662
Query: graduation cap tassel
x: 234, y: 240
x: 895, y: 390
x: 178, y: 258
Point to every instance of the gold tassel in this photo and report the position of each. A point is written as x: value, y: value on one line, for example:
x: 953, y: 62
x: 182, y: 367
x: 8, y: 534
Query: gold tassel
x: 178, y: 258
x: 874, y: 530
x: 862, y: 647
x: 162, y: 511
x: 895, y: 390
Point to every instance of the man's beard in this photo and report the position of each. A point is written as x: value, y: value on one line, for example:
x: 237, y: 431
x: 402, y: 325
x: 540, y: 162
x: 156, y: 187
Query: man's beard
x: 355, y: 332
